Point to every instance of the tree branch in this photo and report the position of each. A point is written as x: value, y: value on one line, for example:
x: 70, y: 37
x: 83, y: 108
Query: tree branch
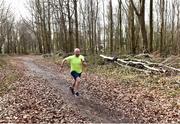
x: 135, y: 9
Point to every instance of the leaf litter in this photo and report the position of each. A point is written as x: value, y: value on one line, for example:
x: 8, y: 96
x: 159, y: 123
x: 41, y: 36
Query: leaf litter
x: 33, y: 100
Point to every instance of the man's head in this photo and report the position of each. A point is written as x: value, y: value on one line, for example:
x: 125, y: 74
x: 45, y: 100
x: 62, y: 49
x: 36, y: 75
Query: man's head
x: 77, y: 52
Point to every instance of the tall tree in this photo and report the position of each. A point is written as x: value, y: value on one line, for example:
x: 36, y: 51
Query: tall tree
x: 71, y: 43
x: 141, y: 18
x: 111, y: 26
x: 177, y: 45
x: 104, y: 26
x: 151, y: 26
x: 172, y: 43
x: 76, y: 23
x: 131, y: 30
x: 162, y: 9
x: 120, y: 25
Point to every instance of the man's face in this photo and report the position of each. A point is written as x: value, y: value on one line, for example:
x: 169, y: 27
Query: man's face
x: 77, y: 53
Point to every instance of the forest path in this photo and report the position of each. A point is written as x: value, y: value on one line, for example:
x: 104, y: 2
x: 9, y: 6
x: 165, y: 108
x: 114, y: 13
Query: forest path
x: 87, y: 107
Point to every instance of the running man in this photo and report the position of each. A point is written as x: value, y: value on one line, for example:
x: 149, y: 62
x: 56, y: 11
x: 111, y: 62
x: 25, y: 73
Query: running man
x: 78, y: 65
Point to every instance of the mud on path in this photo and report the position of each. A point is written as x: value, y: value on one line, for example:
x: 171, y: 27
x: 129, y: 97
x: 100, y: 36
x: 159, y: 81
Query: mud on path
x: 86, y: 107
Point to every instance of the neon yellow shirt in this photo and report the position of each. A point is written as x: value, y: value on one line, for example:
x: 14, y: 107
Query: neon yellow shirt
x: 75, y: 63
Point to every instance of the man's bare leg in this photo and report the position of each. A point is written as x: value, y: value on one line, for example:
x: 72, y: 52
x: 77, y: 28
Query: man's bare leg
x: 77, y: 82
x: 73, y: 86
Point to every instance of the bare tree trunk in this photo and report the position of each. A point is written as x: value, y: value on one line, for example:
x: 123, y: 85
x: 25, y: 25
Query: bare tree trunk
x: 111, y: 27
x: 104, y: 26
x: 49, y: 42
x: 162, y: 8
x: 141, y: 19
x: 120, y: 26
x: 71, y: 44
x: 131, y: 30
x: 76, y: 23
x: 178, y: 29
x: 95, y: 25
x: 172, y: 29
x: 84, y: 30
x: 151, y: 26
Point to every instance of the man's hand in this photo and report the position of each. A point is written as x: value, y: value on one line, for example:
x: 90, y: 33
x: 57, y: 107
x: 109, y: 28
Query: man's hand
x: 61, y: 68
x: 85, y: 76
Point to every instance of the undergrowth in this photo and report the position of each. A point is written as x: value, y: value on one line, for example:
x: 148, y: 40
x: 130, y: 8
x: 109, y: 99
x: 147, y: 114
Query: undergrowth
x: 8, y: 75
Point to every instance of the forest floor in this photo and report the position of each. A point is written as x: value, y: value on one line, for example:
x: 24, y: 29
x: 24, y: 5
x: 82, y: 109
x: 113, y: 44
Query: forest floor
x: 33, y: 90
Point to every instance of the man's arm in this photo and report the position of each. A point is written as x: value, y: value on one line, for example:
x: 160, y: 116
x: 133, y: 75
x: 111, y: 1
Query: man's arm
x: 67, y: 59
x: 84, y: 69
x: 84, y: 65
x: 62, y: 64
x: 63, y: 61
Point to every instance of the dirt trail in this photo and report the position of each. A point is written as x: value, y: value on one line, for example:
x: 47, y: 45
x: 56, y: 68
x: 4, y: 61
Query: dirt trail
x: 87, y: 108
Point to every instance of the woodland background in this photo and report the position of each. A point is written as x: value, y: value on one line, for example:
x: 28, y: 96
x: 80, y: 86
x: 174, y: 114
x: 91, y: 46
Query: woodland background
x: 95, y: 26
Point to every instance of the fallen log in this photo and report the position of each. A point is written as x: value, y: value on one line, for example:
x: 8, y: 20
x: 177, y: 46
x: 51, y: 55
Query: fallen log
x: 109, y: 58
x: 160, y: 65
x: 143, y: 55
x: 140, y: 70
x: 138, y: 66
x: 142, y: 65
